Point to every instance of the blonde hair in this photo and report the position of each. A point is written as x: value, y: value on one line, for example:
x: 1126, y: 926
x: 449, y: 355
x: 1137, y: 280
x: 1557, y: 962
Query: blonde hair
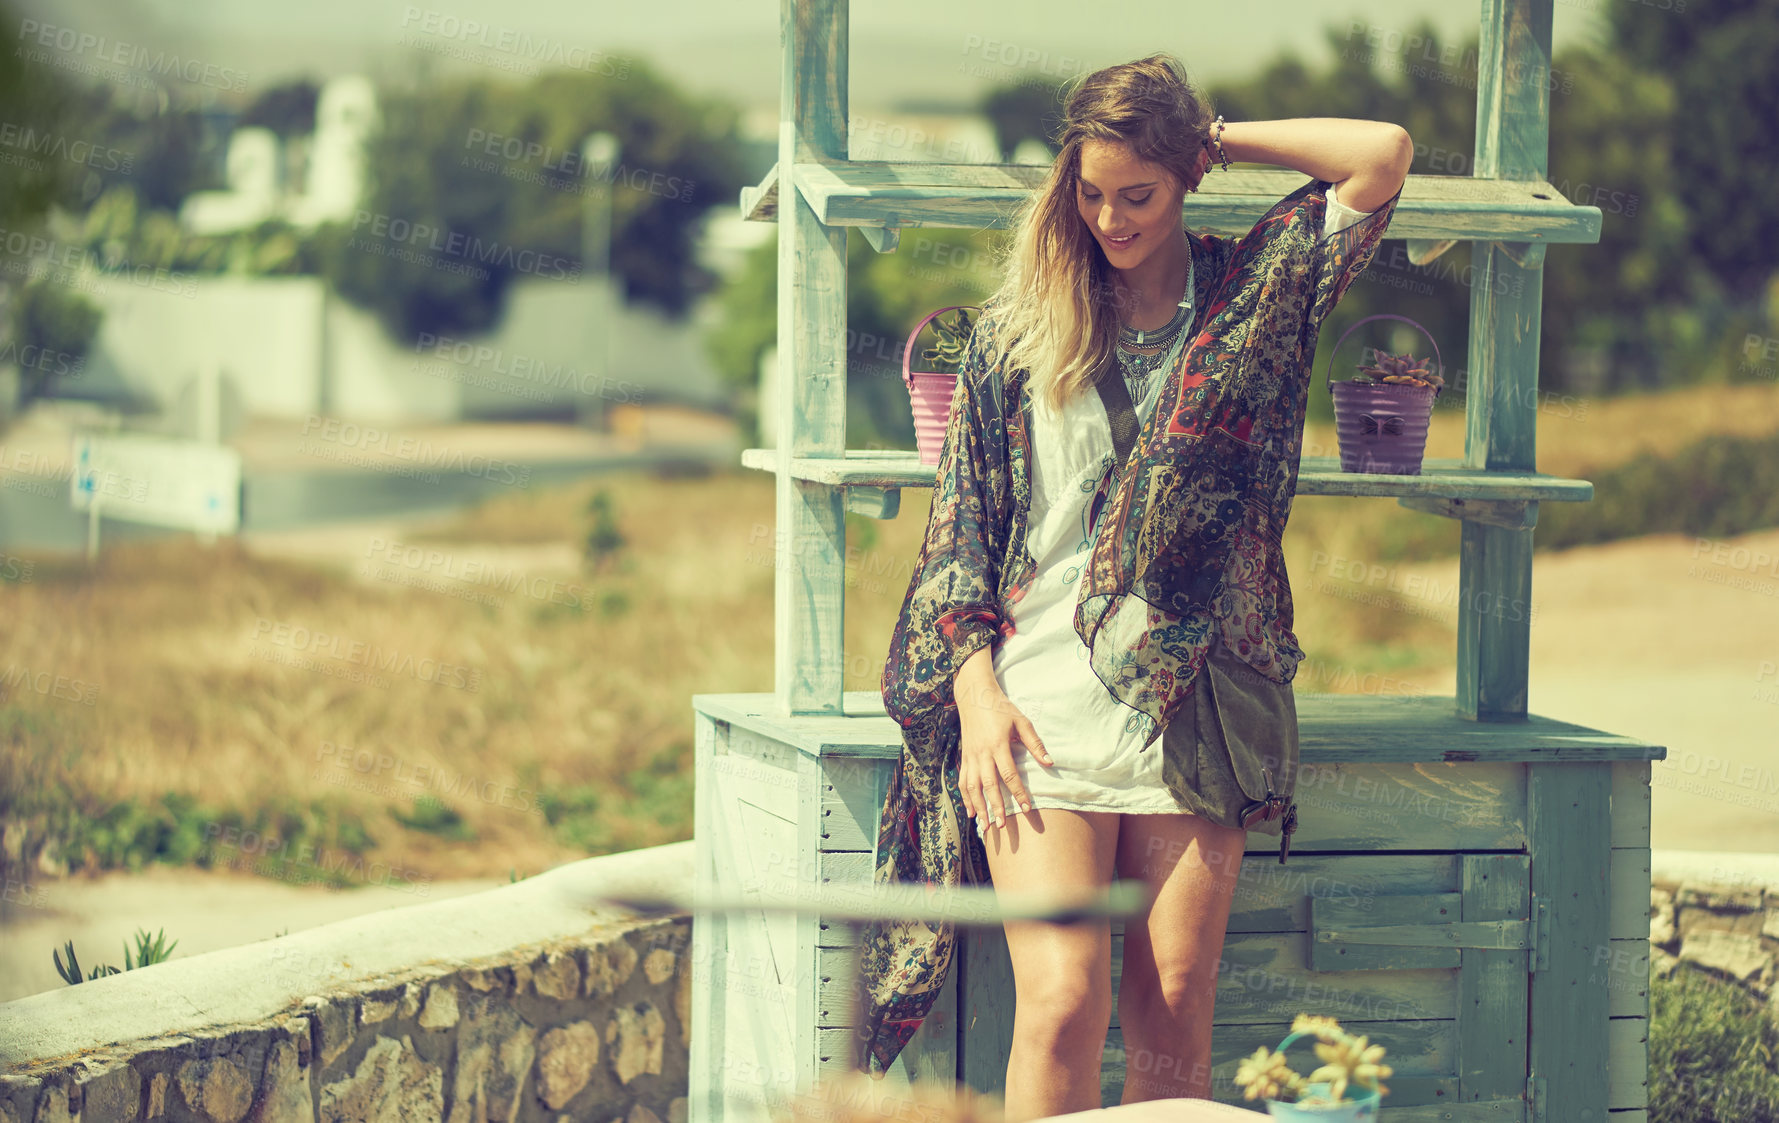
x: 1055, y: 313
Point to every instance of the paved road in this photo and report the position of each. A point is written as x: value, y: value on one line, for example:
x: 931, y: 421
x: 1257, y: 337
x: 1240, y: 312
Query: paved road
x: 299, y: 473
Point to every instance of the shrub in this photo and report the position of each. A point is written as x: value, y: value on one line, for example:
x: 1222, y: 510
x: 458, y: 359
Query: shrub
x: 1711, y: 1052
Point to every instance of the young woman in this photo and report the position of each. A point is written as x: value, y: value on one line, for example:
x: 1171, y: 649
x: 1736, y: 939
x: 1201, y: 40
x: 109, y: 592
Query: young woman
x: 1094, y: 659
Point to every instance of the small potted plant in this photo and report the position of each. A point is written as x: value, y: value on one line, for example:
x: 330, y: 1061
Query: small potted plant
x: 930, y: 391
x: 1345, y: 1089
x: 1381, y: 414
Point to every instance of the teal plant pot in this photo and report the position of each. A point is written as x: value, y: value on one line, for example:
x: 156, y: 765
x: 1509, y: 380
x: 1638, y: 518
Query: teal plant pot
x: 1362, y: 1109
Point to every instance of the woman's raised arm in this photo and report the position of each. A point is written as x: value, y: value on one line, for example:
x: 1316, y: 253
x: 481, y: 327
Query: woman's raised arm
x: 1366, y: 161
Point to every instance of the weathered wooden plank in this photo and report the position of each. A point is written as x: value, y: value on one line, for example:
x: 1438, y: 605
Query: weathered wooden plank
x: 1333, y: 729
x: 803, y: 1012
x: 883, y: 239
x: 874, y: 502
x: 1514, y: 514
x: 1495, y: 563
x: 1262, y: 978
x: 753, y: 971
x: 1627, y: 1063
x: 852, y: 795
x: 1487, y: 1111
x: 1494, y: 621
x: 985, y: 1009
x: 1340, y: 936
x: 756, y: 767
x: 1568, y: 832
x: 1421, y: 1053
x: 1491, y: 1006
x: 856, y: 787
x: 986, y: 196
x: 1270, y: 898
x: 1624, y: 971
x: 1630, y: 803
x: 759, y: 201
x: 1265, y: 978
x: 1404, y: 806
x: 710, y: 935
x: 1421, y: 251
x: 1440, y: 477
x: 809, y: 574
x: 1628, y: 893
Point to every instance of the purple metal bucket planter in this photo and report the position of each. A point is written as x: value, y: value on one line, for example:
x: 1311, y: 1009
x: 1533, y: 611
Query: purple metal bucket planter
x: 1382, y: 427
x: 929, y: 394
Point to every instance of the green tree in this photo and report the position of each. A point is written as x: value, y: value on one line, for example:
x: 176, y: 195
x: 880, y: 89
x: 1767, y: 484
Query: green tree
x: 1640, y: 121
x: 37, y: 101
x: 155, y: 143
x: 53, y: 326
x: 287, y: 109
x: 1720, y: 60
x: 46, y: 328
x: 496, y: 169
x: 886, y: 296
x: 1022, y: 111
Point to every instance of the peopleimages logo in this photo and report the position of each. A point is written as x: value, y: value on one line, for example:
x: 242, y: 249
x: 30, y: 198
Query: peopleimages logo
x: 418, y: 237
x: 61, y: 148
x: 524, y: 48
x: 436, y: 780
x: 296, y: 638
x: 100, y: 48
x: 369, y: 439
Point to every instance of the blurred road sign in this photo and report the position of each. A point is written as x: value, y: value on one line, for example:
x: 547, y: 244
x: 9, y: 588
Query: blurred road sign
x: 165, y: 481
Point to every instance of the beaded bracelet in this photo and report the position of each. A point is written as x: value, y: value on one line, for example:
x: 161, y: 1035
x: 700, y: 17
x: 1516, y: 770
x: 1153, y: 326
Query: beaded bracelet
x: 1217, y: 139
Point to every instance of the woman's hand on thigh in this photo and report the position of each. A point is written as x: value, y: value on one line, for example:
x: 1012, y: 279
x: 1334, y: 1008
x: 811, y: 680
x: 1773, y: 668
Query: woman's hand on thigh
x: 989, y: 723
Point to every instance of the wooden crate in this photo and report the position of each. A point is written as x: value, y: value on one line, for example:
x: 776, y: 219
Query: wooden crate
x: 1458, y: 890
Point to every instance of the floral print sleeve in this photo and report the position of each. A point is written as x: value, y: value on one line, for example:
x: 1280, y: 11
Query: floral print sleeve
x: 952, y: 609
x: 1343, y: 255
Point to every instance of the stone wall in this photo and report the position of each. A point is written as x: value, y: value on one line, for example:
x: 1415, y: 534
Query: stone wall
x: 1729, y: 929
x: 529, y: 1002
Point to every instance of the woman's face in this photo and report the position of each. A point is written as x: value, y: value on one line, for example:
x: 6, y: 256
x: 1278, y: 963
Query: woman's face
x: 1132, y: 206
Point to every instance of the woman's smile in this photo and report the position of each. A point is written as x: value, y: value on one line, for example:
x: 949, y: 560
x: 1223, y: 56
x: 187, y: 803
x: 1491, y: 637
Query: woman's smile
x: 1119, y: 243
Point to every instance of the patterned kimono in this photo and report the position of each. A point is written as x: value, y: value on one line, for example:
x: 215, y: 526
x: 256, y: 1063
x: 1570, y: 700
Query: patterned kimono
x: 1190, y: 541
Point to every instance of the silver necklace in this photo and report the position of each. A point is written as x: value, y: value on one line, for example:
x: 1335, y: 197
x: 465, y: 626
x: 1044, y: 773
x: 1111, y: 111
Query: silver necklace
x: 1138, y: 367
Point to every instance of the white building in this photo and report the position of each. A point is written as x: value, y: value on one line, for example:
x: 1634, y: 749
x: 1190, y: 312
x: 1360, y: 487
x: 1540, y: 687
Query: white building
x: 345, y: 113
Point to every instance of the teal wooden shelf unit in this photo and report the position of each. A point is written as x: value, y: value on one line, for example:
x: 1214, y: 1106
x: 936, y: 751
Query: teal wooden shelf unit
x: 1469, y: 883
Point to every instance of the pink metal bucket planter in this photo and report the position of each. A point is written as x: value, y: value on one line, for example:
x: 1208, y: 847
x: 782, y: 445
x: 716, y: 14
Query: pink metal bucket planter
x: 1382, y: 428
x: 929, y: 393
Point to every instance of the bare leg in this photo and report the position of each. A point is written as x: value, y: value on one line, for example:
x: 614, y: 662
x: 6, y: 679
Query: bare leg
x: 1062, y: 974
x: 1168, y: 987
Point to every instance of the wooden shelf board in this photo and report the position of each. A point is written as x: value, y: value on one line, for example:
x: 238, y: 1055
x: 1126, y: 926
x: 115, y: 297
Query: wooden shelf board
x: 986, y: 196
x: 1331, y: 728
x: 1317, y: 475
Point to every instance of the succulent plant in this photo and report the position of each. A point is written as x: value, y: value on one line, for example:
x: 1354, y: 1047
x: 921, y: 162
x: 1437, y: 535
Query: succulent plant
x: 1406, y: 369
x: 954, y: 339
x: 1347, y: 1061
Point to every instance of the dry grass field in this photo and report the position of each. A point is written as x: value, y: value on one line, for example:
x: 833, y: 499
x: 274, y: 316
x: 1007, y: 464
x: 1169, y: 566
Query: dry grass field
x: 470, y: 695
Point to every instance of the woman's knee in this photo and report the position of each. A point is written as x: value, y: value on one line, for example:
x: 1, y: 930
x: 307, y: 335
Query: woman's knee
x: 1061, y: 1015
x: 1181, y: 990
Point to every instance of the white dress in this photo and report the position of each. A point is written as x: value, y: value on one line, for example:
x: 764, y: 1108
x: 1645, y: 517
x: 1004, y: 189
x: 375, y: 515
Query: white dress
x: 1100, y: 761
